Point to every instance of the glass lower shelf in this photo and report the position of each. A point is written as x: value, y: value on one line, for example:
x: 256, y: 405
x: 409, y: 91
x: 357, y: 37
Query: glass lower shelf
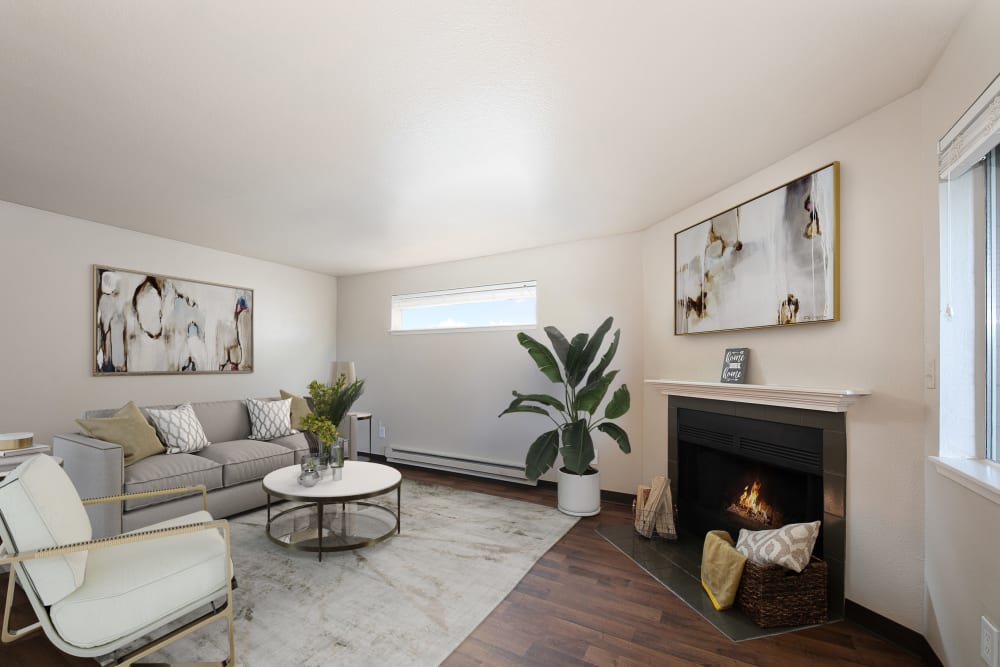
x: 343, y: 526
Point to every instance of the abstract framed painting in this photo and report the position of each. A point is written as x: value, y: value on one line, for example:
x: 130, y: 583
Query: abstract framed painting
x: 151, y: 324
x: 771, y: 261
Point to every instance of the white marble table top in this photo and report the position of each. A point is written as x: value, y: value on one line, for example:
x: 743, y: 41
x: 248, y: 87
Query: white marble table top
x: 359, y: 479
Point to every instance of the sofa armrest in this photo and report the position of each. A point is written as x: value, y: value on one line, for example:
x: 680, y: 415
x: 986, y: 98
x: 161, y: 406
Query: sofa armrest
x: 97, y: 469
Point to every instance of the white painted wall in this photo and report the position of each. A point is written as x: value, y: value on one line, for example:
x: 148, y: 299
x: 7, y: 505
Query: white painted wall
x: 443, y: 391
x: 962, y: 540
x: 46, y: 270
x: 876, y: 345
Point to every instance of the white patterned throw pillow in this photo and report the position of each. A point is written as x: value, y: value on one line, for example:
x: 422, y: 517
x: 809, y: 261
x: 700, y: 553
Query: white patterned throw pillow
x: 789, y: 546
x: 179, y: 429
x: 270, y: 419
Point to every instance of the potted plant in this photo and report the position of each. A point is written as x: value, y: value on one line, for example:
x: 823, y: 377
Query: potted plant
x: 575, y: 414
x: 326, y: 434
x: 331, y: 402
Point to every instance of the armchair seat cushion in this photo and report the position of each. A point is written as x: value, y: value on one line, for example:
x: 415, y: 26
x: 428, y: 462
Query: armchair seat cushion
x: 131, y: 588
x: 169, y: 471
x: 247, y: 460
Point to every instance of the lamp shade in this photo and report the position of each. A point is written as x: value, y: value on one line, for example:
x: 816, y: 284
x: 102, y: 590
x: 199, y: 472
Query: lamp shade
x: 339, y: 368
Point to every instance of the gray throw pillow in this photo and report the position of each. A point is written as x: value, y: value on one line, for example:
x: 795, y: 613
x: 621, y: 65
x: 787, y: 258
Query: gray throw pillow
x: 269, y: 419
x: 790, y: 546
x: 179, y: 429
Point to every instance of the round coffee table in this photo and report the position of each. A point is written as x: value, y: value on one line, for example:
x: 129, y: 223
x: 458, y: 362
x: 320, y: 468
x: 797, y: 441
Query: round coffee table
x: 349, y: 523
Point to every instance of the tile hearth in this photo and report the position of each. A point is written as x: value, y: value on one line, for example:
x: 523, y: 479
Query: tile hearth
x: 677, y: 565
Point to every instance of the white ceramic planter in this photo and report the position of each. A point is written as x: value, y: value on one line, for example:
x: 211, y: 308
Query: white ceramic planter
x: 579, y: 495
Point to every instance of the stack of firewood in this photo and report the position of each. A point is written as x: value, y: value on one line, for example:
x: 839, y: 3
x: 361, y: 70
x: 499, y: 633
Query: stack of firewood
x: 654, y: 509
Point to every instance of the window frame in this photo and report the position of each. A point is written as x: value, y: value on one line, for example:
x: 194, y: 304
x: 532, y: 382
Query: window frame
x: 962, y: 455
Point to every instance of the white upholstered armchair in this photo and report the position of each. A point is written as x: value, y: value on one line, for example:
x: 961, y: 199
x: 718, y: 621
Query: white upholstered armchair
x: 102, y: 598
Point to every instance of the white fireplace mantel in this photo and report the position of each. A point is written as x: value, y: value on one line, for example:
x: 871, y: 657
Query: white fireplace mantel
x: 808, y: 398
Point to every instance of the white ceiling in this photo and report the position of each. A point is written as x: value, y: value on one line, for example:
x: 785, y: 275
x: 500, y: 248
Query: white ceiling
x: 361, y: 135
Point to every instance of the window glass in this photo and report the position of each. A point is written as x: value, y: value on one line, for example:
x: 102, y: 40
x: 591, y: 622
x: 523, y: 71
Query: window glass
x: 488, y: 306
x: 988, y: 204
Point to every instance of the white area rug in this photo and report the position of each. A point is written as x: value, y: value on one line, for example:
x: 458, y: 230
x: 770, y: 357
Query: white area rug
x: 410, y: 600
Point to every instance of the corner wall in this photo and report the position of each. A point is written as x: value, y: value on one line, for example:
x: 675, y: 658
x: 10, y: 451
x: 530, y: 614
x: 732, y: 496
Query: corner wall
x: 876, y: 345
x: 443, y: 391
x: 962, y: 541
x: 46, y: 269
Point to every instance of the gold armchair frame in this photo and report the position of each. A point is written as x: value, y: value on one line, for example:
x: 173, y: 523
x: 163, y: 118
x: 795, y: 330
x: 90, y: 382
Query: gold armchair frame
x: 225, y: 611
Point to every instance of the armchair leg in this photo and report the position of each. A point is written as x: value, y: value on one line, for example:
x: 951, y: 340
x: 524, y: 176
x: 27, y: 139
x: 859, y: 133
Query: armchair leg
x: 6, y: 634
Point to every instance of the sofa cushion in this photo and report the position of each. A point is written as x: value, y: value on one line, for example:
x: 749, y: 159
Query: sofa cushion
x: 223, y: 420
x: 41, y: 508
x: 179, y: 429
x: 129, y: 428
x: 299, y: 443
x: 247, y: 460
x: 168, y: 472
x: 131, y: 586
x: 269, y: 419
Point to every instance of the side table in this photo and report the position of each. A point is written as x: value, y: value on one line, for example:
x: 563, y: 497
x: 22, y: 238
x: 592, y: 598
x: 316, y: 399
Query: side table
x: 364, y: 416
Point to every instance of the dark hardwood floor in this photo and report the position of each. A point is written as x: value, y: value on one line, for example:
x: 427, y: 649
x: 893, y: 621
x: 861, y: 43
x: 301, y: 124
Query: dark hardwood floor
x: 584, y: 603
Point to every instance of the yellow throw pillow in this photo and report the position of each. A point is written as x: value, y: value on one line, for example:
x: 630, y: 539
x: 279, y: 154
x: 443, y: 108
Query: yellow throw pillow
x: 300, y: 408
x: 128, y: 428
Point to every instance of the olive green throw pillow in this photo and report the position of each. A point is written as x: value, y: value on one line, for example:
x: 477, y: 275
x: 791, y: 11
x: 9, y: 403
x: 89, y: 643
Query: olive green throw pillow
x: 300, y: 408
x: 128, y: 428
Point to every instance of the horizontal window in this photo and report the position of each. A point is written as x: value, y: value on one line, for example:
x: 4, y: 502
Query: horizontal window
x: 484, y: 307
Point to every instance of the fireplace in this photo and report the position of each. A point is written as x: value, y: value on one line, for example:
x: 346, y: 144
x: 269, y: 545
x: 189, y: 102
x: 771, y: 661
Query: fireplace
x: 746, y: 473
x: 739, y: 465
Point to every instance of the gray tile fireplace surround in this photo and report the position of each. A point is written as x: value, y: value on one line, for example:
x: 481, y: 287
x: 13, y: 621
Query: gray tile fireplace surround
x: 833, y: 426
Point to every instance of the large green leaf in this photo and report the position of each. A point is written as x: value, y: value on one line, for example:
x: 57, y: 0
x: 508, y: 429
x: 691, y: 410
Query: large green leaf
x: 618, y: 434
x: 578, y: 447
x: 541, y: 454
x: 524, y: 408
x: 591, y: 395
x: 606, y: 359
x: 575, y: 368
x: 544, y: 399
x: 543, y: 357
x: 559, y: 343
x: 619, y: 403
x: 593, y: 345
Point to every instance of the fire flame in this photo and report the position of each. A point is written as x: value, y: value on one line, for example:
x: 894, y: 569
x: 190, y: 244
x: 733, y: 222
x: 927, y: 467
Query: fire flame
x: 751, y: 506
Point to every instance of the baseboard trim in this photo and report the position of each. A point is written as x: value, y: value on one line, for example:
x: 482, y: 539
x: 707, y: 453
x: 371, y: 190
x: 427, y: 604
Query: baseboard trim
x: 902, y: 636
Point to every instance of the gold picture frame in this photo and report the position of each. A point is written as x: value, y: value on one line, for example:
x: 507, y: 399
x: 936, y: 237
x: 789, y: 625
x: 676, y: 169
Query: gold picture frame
x: 771, y: 261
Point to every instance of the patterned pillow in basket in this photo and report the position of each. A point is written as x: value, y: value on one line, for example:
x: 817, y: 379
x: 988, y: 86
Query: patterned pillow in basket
x: 179, y: 429
x: 270, y: 419
x: 789, y: 546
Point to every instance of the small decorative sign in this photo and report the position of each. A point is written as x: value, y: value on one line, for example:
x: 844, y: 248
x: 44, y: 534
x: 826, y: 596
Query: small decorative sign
x: 734, y: 365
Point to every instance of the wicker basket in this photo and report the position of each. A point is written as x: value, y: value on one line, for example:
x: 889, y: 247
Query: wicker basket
x: 773, y: 596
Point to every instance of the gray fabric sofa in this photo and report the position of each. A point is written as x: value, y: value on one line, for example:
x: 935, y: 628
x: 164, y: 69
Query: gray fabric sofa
x: 231, y: 468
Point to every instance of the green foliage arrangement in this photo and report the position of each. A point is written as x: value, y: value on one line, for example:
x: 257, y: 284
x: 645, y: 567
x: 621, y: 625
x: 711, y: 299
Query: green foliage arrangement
x: 573, y: 415
x: 334, y: 401
x: 324, y: 429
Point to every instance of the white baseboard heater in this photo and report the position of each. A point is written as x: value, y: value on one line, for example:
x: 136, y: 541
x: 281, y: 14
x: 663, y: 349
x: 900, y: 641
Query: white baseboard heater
x: 469, y: 465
